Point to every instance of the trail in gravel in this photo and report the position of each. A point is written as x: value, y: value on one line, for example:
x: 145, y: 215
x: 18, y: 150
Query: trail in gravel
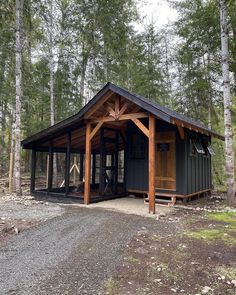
x: 74, y: 253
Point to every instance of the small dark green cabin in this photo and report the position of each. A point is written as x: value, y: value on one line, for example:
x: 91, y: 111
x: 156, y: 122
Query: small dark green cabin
x: 123, y: 143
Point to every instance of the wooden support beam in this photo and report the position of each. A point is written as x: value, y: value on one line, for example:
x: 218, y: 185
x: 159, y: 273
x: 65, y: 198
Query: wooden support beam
x: 33, y: 171
x: 50, y: 168
x: 81, y: 166
x: 102, y: 163
x: 87, y: 165
x: 122, y: 117
x: 74, y: 170
x: 67, y: 168
x: 98, y: 104
x: 116, y: 162
x: 95, y: 130
x: 117, y: 107
x: 111, y: 111
x: 94, y: 170
x: 151, y: 163
x: 124, y: 108
x: 181, y: 131
x: 140, y: 125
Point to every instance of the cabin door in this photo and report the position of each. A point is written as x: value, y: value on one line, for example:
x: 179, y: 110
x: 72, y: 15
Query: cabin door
x: 109, y: 141
x: 165, y: 161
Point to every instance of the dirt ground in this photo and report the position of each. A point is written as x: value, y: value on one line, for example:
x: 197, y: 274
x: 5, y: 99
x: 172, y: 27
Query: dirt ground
x: 198, y: 259
x: 187, y: 250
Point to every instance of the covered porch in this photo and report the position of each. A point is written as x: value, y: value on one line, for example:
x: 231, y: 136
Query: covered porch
x: 96, y: 147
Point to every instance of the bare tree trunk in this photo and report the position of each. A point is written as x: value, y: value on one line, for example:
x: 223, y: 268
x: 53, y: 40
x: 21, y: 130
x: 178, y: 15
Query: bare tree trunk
x: 85, y: 56
x: 52, y: 99
x: 19, y: 45
x: 11, y: 160
x: 229, y: 153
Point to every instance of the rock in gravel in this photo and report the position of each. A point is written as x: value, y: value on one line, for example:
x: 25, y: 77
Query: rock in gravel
x: 141, y: 250
x: 206, y: 290
x: 233, y: 282
x: 173, y: 290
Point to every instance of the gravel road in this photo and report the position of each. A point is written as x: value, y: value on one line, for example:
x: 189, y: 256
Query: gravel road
x: 74, y: 253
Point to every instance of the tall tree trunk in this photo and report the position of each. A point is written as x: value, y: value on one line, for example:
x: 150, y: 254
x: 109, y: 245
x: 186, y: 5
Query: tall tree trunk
x: 85, y: 55
x: 52, y: 99
x: 19, y: 45
x: 229, y: 153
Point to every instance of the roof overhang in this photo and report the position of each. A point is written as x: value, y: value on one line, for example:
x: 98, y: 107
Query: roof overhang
x: 78, y: 120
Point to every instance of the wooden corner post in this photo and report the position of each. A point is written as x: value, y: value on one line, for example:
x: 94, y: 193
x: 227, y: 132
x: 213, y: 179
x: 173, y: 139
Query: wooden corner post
x: 67, y: 166
x: 87, y: 165
x: 151, y: 164
x: 33, y: 171
x: 50, y: 168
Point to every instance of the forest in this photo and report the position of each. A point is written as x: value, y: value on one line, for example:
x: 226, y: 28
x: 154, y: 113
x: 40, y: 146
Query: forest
x: 56, y: 54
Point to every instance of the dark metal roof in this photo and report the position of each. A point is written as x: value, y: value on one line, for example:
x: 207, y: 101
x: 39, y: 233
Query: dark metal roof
x: 156, y: 109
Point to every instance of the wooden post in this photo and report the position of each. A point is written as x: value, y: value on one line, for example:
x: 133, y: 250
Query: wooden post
x: 47, y: 170
x: 151, y: 164
x: 116, y: 160
x: 74, y: 171
x: 102, y: 163
x: 87, y: 165
x: 33, y: 171
x: 50, y: 169
x: 94, y: 170
x: 67, y: 168
x: 81, y: 166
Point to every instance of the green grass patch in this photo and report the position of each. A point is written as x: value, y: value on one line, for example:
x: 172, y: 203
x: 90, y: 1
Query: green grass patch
x: 131, y: 259
x: 210, y: 235
x: 228, y: 272
x: 110, y: 286
x: 226, y: 217
x: 224, y: 232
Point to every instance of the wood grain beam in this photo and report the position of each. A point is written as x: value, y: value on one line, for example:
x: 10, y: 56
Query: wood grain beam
x: 117, y: 106
x: 151, y: 163
x: 110, y: 111
x: 87, y: 165
x: 123, y: 108
x: 95, y: 130
x: 140, y: 125
x: 122, y: 117
x: 98, y: 105
x: 181, y: 131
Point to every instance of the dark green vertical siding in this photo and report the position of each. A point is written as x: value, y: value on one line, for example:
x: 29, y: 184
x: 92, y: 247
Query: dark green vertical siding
x: 193, y: 173
x: 199, y: 169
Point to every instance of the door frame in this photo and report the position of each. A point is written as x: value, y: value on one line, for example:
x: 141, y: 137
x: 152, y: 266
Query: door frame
x: 170, y: 138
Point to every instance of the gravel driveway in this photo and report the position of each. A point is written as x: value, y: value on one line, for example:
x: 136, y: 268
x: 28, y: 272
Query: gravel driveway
x: 74, y: 253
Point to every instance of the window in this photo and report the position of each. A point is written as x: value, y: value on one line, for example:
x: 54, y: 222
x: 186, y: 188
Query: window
x: 163, y: 147
x: 137, y: 146
x: 207, y: 148
x: 210, y: 149
x: 196, y: 146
